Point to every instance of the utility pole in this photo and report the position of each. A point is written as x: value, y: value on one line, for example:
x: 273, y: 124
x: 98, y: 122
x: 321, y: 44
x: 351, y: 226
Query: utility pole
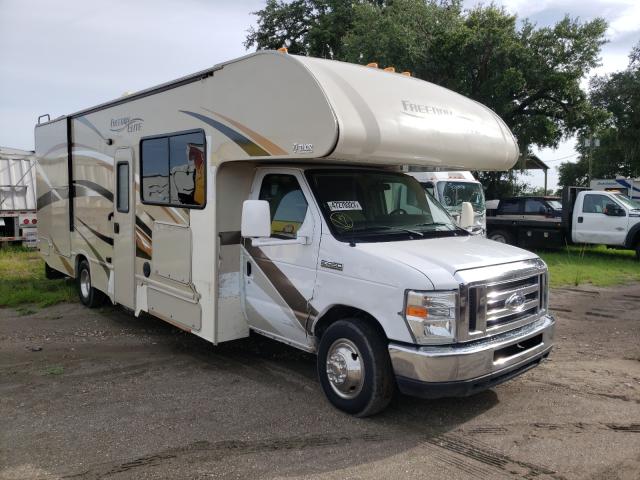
x: 590, y: 143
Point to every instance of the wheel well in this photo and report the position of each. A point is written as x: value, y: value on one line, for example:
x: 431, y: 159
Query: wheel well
x: 338, y: 312
x: 79, y: 258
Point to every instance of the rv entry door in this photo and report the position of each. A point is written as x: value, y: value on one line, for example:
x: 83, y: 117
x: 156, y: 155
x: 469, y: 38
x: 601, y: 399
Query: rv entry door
x: 123, y: 229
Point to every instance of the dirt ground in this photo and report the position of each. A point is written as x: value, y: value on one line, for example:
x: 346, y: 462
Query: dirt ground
x: 90, y: 394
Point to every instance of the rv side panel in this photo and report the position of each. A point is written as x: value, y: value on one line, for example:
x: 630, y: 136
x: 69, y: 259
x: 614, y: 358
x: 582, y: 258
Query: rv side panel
x: 54, y: 236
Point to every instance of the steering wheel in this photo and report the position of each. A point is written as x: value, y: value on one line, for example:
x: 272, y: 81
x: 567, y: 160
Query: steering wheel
x: 398, y: 211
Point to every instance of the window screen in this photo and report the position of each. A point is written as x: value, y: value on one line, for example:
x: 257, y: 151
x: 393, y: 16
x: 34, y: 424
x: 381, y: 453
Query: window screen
x: 286, y: 202
x: 173, y: 170
x: 122, y: 200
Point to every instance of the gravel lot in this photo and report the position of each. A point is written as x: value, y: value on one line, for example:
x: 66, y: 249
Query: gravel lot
x: 94, y: 394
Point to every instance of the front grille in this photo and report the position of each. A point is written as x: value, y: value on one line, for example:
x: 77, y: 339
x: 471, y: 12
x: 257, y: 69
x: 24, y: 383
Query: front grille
x: 498, y: 304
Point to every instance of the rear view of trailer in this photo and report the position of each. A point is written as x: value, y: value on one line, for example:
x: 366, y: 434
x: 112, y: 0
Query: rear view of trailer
x: 18, y: 221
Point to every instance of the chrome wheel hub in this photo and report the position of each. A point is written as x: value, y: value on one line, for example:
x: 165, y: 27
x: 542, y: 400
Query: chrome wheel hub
x: 85, y: 283
x: 345, y: 369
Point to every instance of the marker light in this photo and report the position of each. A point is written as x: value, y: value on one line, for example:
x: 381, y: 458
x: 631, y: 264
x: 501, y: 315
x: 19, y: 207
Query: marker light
x: 283, y: 50
x: 26, y: 221
x: 372, y: 65
x: 390, y: 69
x: 406, y: 73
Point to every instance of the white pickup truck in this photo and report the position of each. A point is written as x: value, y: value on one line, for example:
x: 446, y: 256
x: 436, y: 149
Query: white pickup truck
x: 588, y: 217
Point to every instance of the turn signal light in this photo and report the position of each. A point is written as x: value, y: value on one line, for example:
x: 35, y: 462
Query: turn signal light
x: 417, y: 311
x: 26, y: 221
x: 283, y: 50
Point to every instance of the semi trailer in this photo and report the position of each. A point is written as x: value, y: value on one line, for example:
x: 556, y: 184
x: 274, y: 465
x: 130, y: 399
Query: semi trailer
x: 18, y: 220
x: 265, y: 194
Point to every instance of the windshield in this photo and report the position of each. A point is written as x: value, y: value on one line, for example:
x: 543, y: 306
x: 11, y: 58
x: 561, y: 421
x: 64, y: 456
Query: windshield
x: 555, y: 204
x: 452, y: 194
x: 372, y: 205
x: 628, y: 202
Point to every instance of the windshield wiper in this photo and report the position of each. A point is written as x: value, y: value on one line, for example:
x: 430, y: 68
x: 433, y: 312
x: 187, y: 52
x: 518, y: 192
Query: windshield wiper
x: 402, y: 229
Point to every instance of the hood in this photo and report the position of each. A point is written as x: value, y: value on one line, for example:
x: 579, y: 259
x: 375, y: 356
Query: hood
x: 451, y: 254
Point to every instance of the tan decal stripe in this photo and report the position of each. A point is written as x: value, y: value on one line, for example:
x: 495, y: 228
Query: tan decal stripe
x: 243, y: 142
x: 95, y: 252
x: 296, y: 301
x: 67, y: 265
x: 267, y: 144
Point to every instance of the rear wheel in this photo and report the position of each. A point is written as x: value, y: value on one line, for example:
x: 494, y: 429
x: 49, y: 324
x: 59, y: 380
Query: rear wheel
x: 89, y: 296
x: 638, y: 251
x: 500, y: 236
x: 354, y: 367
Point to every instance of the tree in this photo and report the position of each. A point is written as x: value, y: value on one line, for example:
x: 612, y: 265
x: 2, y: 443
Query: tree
x: 530, y: 76
x: 618, y: 96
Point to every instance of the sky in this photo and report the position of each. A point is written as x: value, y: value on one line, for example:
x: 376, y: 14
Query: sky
x: 58, y: 57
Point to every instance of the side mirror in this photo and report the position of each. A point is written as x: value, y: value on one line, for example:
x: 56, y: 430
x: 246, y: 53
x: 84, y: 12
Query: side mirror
x: 466, y: 215
x: 256, y: 219
x: 613, y: 210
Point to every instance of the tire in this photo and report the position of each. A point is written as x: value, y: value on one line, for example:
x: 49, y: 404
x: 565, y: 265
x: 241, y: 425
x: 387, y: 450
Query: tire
x: 89, y: 296
x: 638, y: 251
x: 349, y: 345
x: 500, y: 236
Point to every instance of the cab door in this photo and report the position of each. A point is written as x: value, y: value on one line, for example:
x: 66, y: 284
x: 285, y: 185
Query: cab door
x: 279, y: 276
x: 123, y: 229
x: 593, y: 225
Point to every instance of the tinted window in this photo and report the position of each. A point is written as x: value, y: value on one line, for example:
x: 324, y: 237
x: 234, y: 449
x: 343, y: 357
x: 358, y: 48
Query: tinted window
x: 155, y: 170
x: 595, y: 203
x: 509, y: 206
x: 173, y: 170
x: 531, y: 205
x: 287, y: 204
x: 122, y: 200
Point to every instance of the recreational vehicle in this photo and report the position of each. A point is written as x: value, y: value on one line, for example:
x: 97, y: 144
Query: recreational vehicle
x: 626, y: 186
x: 452, y: 190
x: 265, y: 194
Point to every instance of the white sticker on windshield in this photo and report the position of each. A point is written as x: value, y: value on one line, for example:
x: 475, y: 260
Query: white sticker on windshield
x: 341, y: 205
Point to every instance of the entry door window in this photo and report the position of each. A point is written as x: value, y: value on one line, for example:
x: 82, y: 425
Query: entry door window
x: 122, y: 200
x: 287, y: 204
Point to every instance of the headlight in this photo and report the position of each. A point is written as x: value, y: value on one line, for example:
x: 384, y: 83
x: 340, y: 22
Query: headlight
x: 431, y: 315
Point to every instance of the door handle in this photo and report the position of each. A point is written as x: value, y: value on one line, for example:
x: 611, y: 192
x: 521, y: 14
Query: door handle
x: 116, y: 228
x: 110, y: 216
x: 580, y: 219
x: 248, y: 269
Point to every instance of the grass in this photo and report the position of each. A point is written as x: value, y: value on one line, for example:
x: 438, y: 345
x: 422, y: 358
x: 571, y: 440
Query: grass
x: 597, y: 266
x: 54, y: 370
x: 22, y: 280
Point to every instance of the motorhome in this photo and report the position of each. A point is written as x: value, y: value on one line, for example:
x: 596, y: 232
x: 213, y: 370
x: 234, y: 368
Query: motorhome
x: 452, y: 189
x: 265, y: 194
x: 18, y: 220
x: 625, y: 186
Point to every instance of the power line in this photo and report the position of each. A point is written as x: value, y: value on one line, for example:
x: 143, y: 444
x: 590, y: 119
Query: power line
x: 561, y: 158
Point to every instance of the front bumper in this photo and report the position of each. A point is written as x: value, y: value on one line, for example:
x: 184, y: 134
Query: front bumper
x: 467, y: 368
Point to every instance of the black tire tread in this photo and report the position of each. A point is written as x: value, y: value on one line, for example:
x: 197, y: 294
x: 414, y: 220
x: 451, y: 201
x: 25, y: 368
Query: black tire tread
x: 384, y: 381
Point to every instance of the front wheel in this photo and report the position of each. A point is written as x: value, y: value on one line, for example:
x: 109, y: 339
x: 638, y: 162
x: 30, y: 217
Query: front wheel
x: 89, y: 296
x: 354, y: 367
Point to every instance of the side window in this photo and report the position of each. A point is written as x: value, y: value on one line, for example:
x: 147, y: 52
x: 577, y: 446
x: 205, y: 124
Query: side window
x: 287, y: 204
x: 595, y: 203
x: 531, y: 205
x: 173, y: 170
x: 122, y: 197
x: 509, y: 207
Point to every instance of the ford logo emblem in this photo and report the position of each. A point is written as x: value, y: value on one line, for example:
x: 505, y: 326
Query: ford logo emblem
x: 515, y: 302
